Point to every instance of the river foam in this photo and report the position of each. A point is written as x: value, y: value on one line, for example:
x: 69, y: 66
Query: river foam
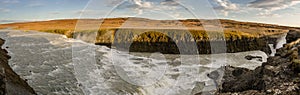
x: 54, y: 64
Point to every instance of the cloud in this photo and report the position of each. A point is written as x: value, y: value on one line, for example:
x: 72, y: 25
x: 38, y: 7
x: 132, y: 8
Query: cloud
x: 268, y: 6
x: 264, y: 15
x: 225, y: 6
x: 139, y: 6
x: 142, y: 7
x: 35, y: 5
x: 294, y: 14
x: 113, y: 2
x: 9, y: 1
x: 170, y: 3
x: 89, y: 12
x: 3, y: 10
x: 10, y: 21
x: 55, y: 13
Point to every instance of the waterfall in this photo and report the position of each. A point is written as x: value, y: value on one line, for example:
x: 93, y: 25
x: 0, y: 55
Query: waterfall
x: 281, y: 41
x: 273, y: 50
x: 279, y: 44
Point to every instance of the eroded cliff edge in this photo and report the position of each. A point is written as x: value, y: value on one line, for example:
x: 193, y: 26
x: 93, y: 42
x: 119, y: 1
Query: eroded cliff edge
x: 10, y: 82
x: 170, y: 41
x: 280, y: 75
x: 238, y: 36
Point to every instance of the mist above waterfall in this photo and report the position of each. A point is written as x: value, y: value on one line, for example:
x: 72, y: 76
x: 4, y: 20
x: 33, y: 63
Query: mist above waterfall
x: 281, y: 41
x: 279, y: 44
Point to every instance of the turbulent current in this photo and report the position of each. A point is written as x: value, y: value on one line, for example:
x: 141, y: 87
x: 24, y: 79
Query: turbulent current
x: 54, y: 64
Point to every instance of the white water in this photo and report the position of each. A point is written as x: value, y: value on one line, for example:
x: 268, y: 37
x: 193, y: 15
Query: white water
x: 47, y: 62
x: 281, y: 41
x: 279, y: 44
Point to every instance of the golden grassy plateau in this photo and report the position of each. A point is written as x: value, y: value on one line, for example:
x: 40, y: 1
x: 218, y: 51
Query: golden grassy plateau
x: 239, y: 36
x: 194, y: 26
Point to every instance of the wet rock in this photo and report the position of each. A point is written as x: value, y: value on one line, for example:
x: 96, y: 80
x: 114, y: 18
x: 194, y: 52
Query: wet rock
x: 251, y: 57
x: 292, y: 35
x: 182, y: 44
x: 10, y: 82
x: 296, y: 65
x: 280, y: 75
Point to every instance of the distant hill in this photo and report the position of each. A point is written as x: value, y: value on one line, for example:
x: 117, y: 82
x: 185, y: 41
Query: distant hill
x: 195, y: 24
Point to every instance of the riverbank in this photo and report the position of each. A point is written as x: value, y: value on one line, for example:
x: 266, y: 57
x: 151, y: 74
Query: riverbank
x: 46, y: 61
x: 280, y: 75
x: 174, y: 41
x: 10, y: 82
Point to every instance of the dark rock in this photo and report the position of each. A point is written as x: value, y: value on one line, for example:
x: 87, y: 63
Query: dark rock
x: 250, y: 57
x: 296, y: 65
x: 10, y: 82
x: 292, y: 35
x: 201, y: 46
x: 280, y: 75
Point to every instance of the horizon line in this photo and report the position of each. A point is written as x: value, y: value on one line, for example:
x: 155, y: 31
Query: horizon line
x: 41, y: 20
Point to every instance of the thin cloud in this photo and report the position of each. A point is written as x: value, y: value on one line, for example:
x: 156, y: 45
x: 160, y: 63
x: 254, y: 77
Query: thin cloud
x: 139, y: 6
x: 89, y: 12
x: 9, y: 1
x: 268, y: 6
x: 225, y: 6
x: 35, y: 5
x: 113, y: 2
x: 11, y: 21
x: 55, y: 13
x: 170, y: 3
x: 264, y: 15
x: 3, y: 10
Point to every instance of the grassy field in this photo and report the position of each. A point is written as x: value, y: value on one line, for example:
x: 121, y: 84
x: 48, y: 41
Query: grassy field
x: 157, y: 30
x: 162, y: 35
x: 159, y: 35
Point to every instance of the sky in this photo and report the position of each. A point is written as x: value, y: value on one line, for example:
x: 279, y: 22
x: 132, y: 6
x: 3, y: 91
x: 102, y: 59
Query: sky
x: 282, y: 12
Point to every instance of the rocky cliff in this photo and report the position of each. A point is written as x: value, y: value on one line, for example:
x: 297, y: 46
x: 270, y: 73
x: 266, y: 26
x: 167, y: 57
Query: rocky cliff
x: 237, y: 37
x: 280, y: 75
x: 170, y: 41
x: 10, y: 82
x: 292, y: 36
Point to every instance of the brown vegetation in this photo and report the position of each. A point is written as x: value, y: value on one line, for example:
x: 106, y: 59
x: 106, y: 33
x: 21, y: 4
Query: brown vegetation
x: 239, y: 36
x: 190, y: 24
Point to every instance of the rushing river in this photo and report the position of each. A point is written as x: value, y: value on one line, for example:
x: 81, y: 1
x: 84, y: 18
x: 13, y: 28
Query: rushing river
x: 50, y: 67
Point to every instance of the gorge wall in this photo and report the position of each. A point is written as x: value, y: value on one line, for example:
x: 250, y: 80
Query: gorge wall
x: 239, y: 36
x: 169, y: 41
x: 292, y: 36
x: 280, y: 75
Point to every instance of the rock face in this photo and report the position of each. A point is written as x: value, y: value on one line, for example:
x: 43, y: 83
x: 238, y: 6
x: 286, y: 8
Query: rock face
x: 280, y: 75
x: 203, y: 47
x: 169, y: 41
x: 240, y: 36
x: 10, y: 82
x: 251, y: 57
x: 292, y: 36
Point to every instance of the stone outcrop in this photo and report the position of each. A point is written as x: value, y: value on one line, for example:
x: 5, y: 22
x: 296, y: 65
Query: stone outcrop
x: 169, y: 41
x: 239, y: 35
x: 251, y: 57
x: 280, y: 75
x: 10, y: 82
x: 292, y: 36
